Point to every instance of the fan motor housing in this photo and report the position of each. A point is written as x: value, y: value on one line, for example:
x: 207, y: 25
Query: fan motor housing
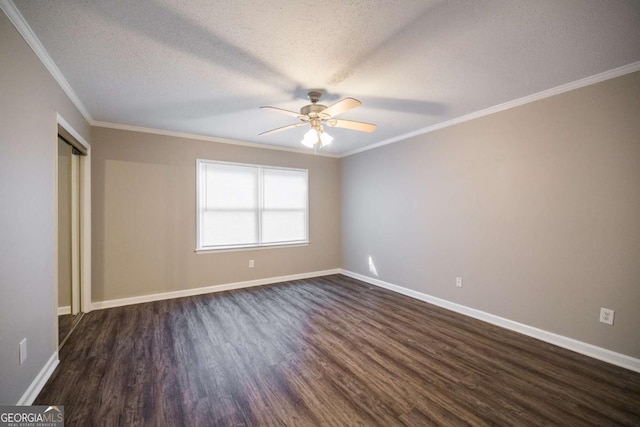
x: 312, y: 109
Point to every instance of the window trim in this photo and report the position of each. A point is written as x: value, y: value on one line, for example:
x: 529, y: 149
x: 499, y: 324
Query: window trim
x: 243, y: 247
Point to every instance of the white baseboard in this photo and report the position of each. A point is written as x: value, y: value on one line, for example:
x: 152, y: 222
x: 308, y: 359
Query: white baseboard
x: 62, y: 311
x: 590, y: 350
x: 41, y: 379
x: 99, y: 305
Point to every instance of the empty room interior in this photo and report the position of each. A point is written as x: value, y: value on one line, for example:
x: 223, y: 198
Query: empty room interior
x: 412, y: 213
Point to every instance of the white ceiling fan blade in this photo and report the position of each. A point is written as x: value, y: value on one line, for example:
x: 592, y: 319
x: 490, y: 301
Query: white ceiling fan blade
x: 295, y: 125
x: 283, y: 111
x: 341, y: 106
x: 350, y: 124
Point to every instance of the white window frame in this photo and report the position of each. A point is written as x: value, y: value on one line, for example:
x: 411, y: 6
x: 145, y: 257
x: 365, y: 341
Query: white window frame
x: 251, y: 246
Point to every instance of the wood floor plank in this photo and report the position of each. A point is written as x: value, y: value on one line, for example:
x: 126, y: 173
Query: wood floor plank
x: 329, y: 351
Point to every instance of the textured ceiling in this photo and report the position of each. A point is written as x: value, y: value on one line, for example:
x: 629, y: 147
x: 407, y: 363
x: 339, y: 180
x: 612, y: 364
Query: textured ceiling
x: 204, y: 67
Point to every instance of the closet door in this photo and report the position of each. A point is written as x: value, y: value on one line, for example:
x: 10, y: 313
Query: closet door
x: 69, y: 311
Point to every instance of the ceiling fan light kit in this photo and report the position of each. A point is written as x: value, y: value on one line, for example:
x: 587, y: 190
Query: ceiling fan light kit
x: 316, y: 115
x: 316, y: 138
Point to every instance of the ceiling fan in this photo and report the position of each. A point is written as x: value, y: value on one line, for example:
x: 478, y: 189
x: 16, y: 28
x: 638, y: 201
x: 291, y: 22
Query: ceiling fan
x: 317, y: 115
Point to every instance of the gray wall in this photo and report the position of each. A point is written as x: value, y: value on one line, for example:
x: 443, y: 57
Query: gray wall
x: 144, y: 213
x: 29, y: 100
x: 537, y: 208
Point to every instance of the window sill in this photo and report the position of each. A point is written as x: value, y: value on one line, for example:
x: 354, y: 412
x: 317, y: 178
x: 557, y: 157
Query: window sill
x: 250, y: 248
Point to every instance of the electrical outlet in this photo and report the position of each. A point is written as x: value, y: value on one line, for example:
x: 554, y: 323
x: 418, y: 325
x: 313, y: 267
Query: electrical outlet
x: 22, y: 351
x: 251, y: 263
x: 459, y: 282
x: 606, y: 316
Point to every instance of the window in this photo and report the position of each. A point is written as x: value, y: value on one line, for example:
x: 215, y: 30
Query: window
x: 244, y: 206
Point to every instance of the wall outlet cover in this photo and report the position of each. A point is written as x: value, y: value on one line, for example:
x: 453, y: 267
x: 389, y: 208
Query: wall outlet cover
x: 607, y: 315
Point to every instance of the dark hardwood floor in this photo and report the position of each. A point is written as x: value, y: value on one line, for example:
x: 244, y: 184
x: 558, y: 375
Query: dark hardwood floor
x: 327, y: 351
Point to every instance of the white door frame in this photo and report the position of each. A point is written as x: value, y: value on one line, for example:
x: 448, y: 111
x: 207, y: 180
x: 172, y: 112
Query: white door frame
x: 76, y: 292
x: 85, y: 221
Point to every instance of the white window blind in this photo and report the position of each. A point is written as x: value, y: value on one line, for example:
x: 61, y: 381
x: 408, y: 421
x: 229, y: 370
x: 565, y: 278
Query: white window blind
x: 242, y: 205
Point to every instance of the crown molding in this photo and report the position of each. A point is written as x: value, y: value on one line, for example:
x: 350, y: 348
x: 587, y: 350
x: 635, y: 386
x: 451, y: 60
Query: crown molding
x: 32, y: 40
x: 587, y: 81
x: 198, y: 137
